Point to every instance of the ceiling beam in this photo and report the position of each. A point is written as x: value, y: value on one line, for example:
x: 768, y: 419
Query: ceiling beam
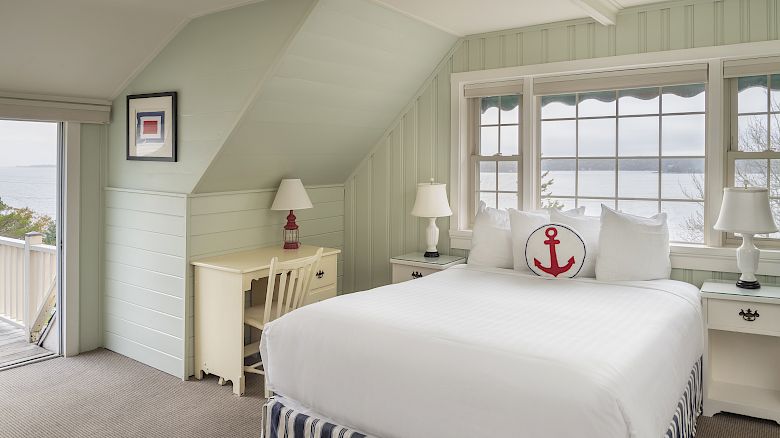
x: 603, y: 11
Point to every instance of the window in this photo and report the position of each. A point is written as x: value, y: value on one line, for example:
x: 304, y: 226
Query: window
x: 754, y: 155
x: 497, y: 159
x: 638, y: 150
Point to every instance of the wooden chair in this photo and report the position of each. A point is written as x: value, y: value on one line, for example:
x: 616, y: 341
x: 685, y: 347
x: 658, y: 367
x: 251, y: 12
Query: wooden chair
x: 294, y: 284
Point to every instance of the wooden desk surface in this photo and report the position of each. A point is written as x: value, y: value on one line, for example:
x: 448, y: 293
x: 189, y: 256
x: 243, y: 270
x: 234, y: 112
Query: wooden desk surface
x: 258, y: 259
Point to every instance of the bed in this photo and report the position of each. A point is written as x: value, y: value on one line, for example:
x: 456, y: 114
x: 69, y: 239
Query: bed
x: 489, y: 352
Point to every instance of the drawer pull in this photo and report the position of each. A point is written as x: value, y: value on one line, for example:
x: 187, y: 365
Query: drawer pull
x: 416, y: 274
x: 320, y: 274
x: 749, y: 315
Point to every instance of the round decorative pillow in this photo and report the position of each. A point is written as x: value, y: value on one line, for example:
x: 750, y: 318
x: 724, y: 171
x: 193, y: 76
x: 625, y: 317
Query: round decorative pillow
x: 555, y: 250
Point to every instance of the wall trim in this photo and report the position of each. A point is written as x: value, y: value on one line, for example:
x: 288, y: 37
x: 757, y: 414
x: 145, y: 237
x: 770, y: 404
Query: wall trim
x: 238, y: 192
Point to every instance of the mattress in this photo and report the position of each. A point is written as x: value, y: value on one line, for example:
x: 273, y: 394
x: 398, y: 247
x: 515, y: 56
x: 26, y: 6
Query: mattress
x: 525, y: 355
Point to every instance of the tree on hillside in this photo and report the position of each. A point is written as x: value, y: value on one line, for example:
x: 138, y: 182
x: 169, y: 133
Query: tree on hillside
x: 16, y: 222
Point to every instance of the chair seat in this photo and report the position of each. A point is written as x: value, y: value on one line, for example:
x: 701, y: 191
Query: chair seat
x: 253, y: 316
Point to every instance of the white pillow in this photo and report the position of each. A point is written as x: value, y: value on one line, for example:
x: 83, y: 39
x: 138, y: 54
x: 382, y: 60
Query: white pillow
x: 491, y: 240
x: 523, y: 223
x: 555, y: 251
x: 633, y: 247
x: 588, y: 228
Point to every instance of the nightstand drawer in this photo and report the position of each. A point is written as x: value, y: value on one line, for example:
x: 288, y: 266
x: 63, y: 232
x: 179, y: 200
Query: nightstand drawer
x: 743, y: 316
x: 405, y: 272
x: 326, y: 274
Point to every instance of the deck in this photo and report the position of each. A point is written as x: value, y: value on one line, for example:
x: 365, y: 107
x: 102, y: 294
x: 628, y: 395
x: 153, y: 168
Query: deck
x: 14, y: 348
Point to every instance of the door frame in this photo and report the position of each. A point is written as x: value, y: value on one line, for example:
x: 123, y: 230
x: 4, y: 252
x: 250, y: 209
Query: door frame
x: 68, y: 233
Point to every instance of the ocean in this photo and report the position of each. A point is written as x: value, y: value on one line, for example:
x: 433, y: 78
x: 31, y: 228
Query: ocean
x: 32, y: 187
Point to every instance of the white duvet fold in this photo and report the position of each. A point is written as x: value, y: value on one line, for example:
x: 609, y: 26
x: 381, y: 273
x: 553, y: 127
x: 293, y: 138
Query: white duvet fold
x: 490, y: 352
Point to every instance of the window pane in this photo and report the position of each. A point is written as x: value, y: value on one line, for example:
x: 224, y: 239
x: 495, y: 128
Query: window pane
x: 686, y: 221
x: 558, y: 107
x: 774, y: 204
x: 751, y: 94
x: 489, y: 111
x: 507, y: 176
x: 683, y: 99
x: 597, y: 137
x: 559, y: 203
x: 774, y: 131
x: 507, y: 200
x: 593, y: 206
x: 488, y: 198
x: 487, y: 175
x: 596, y: 177
x: 638, y: 136
x: 683, y: 135
x: 558, y: 177
x: 682, y: 178
x: 639, y: 101
x: 510, y: 142
x: 774, y: 178
x: 559, y: 138
x: 775, y: 94
x: 488, y: 140
x: 597, y: 104
x: 750, y: 173
x: 638, y: 208
x: 753, y: 133
x: 510, y: 109
x: 638, y: 178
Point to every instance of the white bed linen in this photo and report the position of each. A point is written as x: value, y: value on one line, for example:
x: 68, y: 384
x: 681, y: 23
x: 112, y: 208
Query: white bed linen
x: 476, y: 351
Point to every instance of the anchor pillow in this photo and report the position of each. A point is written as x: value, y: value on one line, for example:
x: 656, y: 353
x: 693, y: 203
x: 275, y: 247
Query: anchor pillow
x: 555, y: 250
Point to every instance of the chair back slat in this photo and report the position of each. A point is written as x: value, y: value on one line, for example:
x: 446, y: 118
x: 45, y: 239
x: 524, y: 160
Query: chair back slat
x: 294, y: 281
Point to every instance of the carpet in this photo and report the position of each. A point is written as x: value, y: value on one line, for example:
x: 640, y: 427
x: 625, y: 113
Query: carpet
x: 104, y: 394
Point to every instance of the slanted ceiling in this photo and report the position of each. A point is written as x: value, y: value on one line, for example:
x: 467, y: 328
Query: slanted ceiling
x: 348, y: 72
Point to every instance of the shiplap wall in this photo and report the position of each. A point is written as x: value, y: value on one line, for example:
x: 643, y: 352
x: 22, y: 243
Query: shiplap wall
x: 416, y: 147
x: 144, y: 300
x: 232, y: 221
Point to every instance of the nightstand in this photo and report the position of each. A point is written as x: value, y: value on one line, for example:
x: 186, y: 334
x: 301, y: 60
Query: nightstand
x: 415, y: 265
x: 742, y: 350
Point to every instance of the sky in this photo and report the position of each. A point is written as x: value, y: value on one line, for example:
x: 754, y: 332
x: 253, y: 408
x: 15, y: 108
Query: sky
x: 27, y: 143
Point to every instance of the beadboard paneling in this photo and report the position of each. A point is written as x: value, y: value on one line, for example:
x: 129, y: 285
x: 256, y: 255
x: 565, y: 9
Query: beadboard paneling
x: 144, y: 303
x: 232, y: 221
x: 416, y: 146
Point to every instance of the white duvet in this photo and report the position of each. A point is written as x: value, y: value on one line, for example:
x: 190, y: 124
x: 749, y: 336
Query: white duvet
x: 480, y: 352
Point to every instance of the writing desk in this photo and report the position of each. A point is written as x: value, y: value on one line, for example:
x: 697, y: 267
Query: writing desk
x: 220, y: 286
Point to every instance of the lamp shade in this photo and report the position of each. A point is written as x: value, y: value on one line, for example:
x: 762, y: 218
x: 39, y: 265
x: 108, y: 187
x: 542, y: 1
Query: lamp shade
x: 291, y: 195
x: 431, y: 201
x: 745, y: 211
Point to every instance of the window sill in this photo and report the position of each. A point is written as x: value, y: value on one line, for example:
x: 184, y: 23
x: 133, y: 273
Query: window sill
x: 683, y: 256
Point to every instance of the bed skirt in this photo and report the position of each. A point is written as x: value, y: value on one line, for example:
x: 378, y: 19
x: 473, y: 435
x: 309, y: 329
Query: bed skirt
x: 282, y: 421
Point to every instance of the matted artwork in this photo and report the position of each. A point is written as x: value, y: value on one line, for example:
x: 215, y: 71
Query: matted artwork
x: 151, y: 127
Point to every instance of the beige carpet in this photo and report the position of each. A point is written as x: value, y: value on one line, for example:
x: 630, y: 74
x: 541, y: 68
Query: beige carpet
x: 103, y: 394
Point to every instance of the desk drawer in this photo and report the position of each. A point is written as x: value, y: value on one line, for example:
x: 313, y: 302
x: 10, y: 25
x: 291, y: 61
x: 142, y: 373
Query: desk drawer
x: 316, y: 295
x: 734, y: 315
x: 327, y: 273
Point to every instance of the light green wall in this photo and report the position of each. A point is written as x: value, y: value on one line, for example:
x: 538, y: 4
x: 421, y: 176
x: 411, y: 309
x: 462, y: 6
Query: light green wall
x: 93, y: 154
x: 215, y: 63
x: 416, y: 147
x: 349, y: 70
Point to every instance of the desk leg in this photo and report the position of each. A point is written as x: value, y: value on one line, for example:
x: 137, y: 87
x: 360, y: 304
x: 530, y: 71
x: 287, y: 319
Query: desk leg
x: 219, y: 326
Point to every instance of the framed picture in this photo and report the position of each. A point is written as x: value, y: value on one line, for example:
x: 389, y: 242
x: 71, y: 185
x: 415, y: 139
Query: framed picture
x: 151, y: 127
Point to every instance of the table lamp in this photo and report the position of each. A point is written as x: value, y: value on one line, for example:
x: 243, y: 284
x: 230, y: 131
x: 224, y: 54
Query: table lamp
x: 291, y: 195
x: 746, y: 211
x: 431, y: 202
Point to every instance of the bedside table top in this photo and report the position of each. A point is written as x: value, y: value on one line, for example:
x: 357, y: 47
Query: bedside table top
x: 416, y: 258
x: 725, y: 289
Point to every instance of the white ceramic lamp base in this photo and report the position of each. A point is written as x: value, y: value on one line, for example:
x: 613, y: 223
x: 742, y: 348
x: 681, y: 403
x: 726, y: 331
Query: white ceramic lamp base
x: 747, y: 262
x: 431, y: 238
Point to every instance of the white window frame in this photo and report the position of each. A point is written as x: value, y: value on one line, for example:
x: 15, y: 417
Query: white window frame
x: 712, y: 255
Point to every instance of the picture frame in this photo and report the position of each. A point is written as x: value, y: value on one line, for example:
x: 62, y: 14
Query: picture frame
x: 152, y: 126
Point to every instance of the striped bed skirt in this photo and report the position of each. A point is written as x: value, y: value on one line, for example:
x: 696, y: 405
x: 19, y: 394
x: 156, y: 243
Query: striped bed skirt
x: 282, y: 421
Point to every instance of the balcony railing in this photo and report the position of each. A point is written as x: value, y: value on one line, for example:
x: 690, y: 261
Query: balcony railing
x: 28, y: 281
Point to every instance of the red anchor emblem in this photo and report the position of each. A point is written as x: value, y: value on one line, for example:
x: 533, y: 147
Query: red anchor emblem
x: 553, y: 269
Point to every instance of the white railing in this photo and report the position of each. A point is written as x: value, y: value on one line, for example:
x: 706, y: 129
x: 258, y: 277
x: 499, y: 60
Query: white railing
x: 28, y: 272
